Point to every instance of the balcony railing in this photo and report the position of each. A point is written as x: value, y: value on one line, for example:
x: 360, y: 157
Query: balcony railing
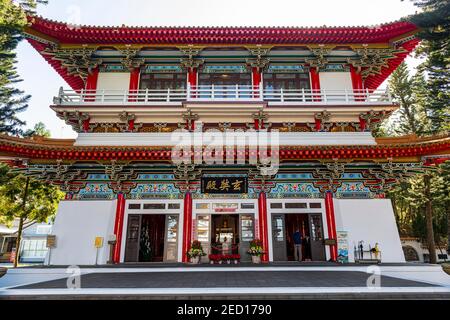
x: 222, y: 93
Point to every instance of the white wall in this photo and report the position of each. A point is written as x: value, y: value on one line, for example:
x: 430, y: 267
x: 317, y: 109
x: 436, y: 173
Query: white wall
x: 76, y: 226
x: 335, y: 81
x: 171, y: 139
x: 370, y: 220
x: 113, y: 81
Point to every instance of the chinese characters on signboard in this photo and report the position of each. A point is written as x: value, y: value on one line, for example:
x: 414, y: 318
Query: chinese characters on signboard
x: 224, y: 185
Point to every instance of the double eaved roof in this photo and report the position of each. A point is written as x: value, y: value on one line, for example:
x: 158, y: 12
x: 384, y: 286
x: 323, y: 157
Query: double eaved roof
x: 41, y: 31
x: 67, y: 33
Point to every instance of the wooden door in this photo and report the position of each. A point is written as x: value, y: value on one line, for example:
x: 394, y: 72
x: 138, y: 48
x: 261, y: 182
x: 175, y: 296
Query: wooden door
x: 247, y: 234
x: 171, y: 238
x: 278, y: 238
x: 316, y: 237
x: 132, y: 241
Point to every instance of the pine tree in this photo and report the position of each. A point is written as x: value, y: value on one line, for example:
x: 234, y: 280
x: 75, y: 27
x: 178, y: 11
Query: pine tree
x: 406, y: 90
x: 12, y: 100
x: 434, y: 21
x: 20, y: 197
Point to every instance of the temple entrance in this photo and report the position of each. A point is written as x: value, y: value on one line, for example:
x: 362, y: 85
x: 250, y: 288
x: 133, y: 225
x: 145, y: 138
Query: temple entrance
x: 151, y: 238
x: 310, y: 226
x: 219, y: 218
x: 225, y: 234
x: 151, y: 241
x: 296, y: 222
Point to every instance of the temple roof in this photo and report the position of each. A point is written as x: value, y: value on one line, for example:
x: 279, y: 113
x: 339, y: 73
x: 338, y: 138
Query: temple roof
x: 49, y: 150
x: 67, y: 33
x: 42, y: 33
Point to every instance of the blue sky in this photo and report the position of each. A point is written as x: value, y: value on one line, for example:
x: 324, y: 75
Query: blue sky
x: 42, y: 82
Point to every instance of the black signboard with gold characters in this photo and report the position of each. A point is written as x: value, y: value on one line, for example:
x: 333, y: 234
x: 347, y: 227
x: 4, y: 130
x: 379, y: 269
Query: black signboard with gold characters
x: 224, y: 185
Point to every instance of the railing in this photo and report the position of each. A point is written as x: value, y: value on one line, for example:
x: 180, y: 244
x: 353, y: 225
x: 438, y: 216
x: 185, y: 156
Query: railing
x: 223, y: 93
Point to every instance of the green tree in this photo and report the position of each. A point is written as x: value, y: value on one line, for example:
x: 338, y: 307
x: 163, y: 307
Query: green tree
x: 411, y: 117
x: 434, y: 21
x: 39, y: 129
x: 26, y: 199
x: 12, y: 100
x: 421, y: 206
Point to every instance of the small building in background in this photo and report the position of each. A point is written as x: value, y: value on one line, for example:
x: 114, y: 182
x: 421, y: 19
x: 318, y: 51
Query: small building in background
x: 417, y: 251
x: 8, y: 237
x: 33, y: 247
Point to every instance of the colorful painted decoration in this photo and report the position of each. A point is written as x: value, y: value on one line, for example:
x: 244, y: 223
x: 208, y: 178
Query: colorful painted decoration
x: 162, y: 69
x: 302, y: 190
x: 273, y: 68
x: 149, y: 190
x: 224, y: 69
x: 95, y: 191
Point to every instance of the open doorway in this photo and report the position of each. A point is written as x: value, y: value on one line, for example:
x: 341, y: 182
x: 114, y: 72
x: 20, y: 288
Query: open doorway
x: 298, y: 222
x: 151, y: 246
x: 145, y: 238
x: 310, y: 227
x: 225, y: 228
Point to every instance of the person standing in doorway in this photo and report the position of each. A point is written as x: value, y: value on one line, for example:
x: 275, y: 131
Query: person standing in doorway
x: 297, y: 236
x: 226, y: 246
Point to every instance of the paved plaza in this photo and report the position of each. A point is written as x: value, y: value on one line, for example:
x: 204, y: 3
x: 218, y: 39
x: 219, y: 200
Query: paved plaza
x: 326, y: 281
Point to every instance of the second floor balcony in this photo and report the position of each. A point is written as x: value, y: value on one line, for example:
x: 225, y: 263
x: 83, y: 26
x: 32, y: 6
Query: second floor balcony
x: 223, y: 94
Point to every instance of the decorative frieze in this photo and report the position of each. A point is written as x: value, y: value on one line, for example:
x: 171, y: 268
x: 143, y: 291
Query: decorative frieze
x: 260, y: 120
x: 131, y: 59
x: 184, y: 175
x: 370, y: 61
x: 319, y: 61
x: 78, y: 120
x: 371, y: 119
x: 77, y: 61
x: 259, y: 63
x: 189, y: 120
x: 189, y: 61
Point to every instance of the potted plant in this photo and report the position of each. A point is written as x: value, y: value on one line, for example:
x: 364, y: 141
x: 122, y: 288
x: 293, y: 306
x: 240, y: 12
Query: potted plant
x: 236, y: 258
x: 214, y: 258
x: 256, y: 250
x: 195, y: 252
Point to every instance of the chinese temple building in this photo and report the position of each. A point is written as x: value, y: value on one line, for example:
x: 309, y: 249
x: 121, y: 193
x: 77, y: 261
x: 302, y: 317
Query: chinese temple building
x: 130, y: 89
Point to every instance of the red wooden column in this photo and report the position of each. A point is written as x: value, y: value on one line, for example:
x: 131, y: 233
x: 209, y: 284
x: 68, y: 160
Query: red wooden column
x: 315, y: 83
x: 91, y: 83
x: 86, y: 123
x: 362, y: 124
x: 187, y: 225
x: 256, y: 80
x: 192, y: 79
x: 134, y: 83
x: 331, y: 223
x: 118, y: 226
x: 263, y: 232
x: 357, y: 83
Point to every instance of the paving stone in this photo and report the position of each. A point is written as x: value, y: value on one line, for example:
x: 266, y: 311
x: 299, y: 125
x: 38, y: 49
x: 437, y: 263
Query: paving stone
x: 227, y: 279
